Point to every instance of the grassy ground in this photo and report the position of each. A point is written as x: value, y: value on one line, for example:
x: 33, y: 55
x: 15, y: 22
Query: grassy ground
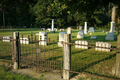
x: 86, y: 61
x: 5, y: 75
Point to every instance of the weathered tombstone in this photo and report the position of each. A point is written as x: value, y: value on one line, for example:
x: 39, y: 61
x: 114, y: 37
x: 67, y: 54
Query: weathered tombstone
x: 110, y: 36
x: 24, y: 40
x: 61, y: 29
x: 81, y: 44
x: 80, y: 34
x: 91, y: 29
x: 103, y: 46
x: 112, y: 27
x: 103, y: 31
x: 61, y: 38
x: 7, y: 38
x: 55, y: 29
x: 49, y: 29
x: 85, y: 28
x: 43, y: 38
x: 52, y: 27
x: 80, y: 28
x: 43, y: 29
x: 93, y: 37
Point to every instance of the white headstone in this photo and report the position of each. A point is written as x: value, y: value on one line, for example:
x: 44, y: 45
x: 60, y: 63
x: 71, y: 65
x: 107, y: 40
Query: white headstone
x: 85, y: 28
x: 24, y: 40
x: 7, y: 38
x: 43, y: 36
x: 80, y: 34
x: 52, y: 27
x: 55, y: 29
x: 112, y: 27
x: 91, y: 29
x: 49, y: 29
x: 103, y: 46
x: 82, y: 44
x: 61, y: 38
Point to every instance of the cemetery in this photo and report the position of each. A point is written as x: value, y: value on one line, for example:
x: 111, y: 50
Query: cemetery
x: 81, y: 40
x: 74, y: 39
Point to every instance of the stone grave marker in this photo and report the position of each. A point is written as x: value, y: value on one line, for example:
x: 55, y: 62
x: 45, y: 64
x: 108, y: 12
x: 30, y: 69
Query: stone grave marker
x: 52, y: 27
x: 85, y: 28
x: 43, y: 36
x: 61, y: 38
x: 93, y: 37
x: 112, y: 27
x: 6, y: 38
x: 24, y: 40
x: 105, y: 45
x: 80, y: 34
x: 49, y: 29
x: 55, y: 29
x: 103, y: 31
x: 80, y: 28
x: 110, y: 36
x: 61, y: 29
x: 91, y: 29
x: 43, y: 29
x: 83, y: 44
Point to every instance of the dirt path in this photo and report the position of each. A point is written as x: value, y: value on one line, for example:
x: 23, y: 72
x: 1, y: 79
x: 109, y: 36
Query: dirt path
x: 40, y: 76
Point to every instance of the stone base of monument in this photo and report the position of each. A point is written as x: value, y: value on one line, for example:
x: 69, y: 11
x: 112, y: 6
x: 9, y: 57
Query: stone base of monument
x: 52, y: 31
x: 24, y: 40
x: 60, y: 44
x: 7, y: 38
x: 103, y: 46
x: 42, y: 43
x: 81, y: 44
x: 93, y: 37
x: 110, y: 36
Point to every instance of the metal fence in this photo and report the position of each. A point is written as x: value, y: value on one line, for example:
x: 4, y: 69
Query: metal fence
x: 85, y: 58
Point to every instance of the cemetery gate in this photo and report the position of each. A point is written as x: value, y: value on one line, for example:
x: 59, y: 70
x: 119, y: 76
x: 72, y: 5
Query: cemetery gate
x: 39, y: 54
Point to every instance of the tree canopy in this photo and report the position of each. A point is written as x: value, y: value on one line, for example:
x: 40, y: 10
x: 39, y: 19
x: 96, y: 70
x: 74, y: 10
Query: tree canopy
x: 65, y: 12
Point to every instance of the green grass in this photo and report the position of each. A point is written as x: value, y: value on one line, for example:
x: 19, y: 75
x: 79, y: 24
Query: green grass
x: 5, y: 75
x: 87, y: 61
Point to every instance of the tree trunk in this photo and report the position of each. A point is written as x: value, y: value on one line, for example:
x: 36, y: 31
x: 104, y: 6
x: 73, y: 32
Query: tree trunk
x: 116, y: 68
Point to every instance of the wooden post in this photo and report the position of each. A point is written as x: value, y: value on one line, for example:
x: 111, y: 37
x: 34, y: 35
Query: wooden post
x: 67, y: 57
x: 116, y: 68
x: 16, y: 50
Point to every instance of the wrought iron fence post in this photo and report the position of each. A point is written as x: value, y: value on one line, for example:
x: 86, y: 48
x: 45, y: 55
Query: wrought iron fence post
x: 66, y: 57
x: 16, y: 50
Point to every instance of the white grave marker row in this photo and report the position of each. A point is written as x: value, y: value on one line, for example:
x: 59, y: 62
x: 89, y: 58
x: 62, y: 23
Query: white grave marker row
x: 7, y: 38
x: 82, y: 44
x: 105, y: 45
x: 24, y: 40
